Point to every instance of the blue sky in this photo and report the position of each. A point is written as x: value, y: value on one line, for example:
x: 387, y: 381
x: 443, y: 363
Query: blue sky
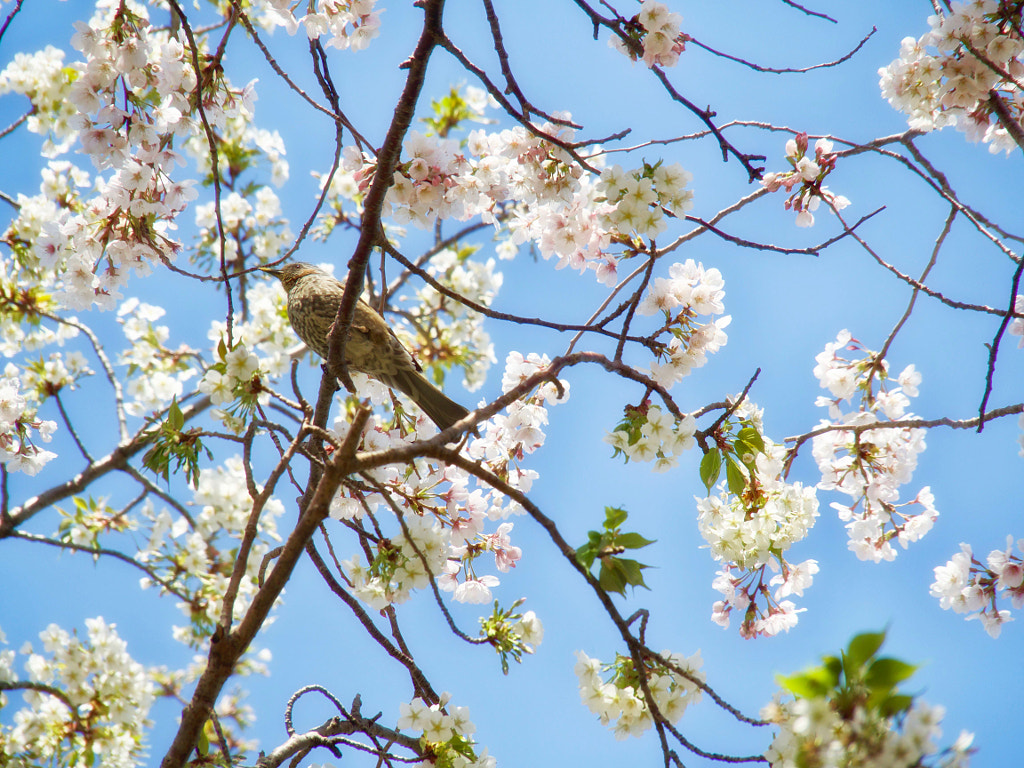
x: 785, y: 308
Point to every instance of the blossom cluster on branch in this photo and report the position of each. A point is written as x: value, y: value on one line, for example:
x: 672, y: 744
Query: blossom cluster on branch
x: 966, y: 72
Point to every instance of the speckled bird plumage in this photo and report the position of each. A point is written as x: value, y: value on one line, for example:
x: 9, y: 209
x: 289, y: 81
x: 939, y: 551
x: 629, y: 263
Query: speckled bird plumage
x: 372, y: 347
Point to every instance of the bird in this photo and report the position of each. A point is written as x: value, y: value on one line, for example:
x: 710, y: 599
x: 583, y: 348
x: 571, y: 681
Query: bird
x: 372, y: 347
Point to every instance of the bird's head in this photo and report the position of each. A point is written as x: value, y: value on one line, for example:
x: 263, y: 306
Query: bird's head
x: 290, y: 274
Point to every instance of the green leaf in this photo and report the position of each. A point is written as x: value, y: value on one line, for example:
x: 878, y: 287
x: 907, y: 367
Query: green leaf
x: 617, y: 572
x: 614, y: 517
x: 175, y: 418
x: 886, y: 673
x: 862, y: 648
x: 734, y: 476
x: 611, y: 579
x: 751, y: 438
x: 632, y: 540
x: 710, y: 468
x: 585, y: 555
x: 811, y: 684
x: 815, y: 681
x: 894, y: 705
x: 834, y: 667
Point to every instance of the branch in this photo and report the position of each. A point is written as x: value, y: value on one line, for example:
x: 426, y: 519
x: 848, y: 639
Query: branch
x: 786, y: 70
x: 858, y: 429
x: 226, y: 648
x: 115, y: 460
x: 387, y: 160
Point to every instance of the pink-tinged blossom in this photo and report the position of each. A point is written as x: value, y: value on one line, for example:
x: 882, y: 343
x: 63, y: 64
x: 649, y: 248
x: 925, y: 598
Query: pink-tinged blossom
x: 476, y: 590
x: 966, y: 586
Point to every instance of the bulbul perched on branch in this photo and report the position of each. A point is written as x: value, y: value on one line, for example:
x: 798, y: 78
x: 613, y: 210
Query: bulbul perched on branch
x: 372, y: 347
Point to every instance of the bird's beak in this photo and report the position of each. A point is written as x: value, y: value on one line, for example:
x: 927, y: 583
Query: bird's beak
x: 271, y: 271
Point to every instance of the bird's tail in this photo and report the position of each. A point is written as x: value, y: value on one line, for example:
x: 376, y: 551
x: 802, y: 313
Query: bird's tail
x: 440, y: 409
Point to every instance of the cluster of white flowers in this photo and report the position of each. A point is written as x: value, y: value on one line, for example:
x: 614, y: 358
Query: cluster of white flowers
x: 661, y: 438
x: 111, y: 694
x: 614, y: 693
x: 344, y: 23
x: 809, y: 175
x: 59, y: 370
x: 41, y: 77
x: 752, y: 534
x: 266, y: 331
x: 462, y: 330
x: 409, y: 556
x: 30, y: 274
x: 513, y: 178
x: 688, y: 291
x: 440, y: 724
x: 350, y: 23
x: 444, y: 515
x: 977, y: 52
x: 811, y: 732
x: 18, y: 424
x: 641, y: 198
x: 658, y: 33
x: 258, y: 226
x: 751, y: 538
x: 239, y: 365
x: 198, y: 559
x: 132, y: 94
x: 131, y: 99
x: 156, y: 374
x: 238, y: 133
x: 966, y: 586
x: 871, y: 465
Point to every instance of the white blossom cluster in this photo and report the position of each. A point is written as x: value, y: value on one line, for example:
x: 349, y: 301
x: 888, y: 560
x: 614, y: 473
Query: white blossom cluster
x: 660, y: 36
x: 613, y: 693
x: 343, y: 24
x: 18, y: 425
x: 870, y: 466
x: 156, y: 374
x: 525, y: 183
x: 750, y: 537
x: 30, y: 274
x: 444, y: 510
x: 688, y: 291
x: 440, y: 724
x: 41, y: 77
x: 811, y: 732
x: 263, y: 344
x: 946, y: 76
x: 807, y: 176
x: 752, y: 533
x: 198, y: 559
x: 966, y: 586
x: 131, y: 98
x: 662, y: 439
x: 641, y: 200
x: 461, y: 329
x: 254, y: 221
x: 110, y: 692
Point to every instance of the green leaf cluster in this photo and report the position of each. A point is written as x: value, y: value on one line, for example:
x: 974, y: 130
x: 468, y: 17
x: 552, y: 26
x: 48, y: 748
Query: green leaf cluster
x: 449, y: 112
x: 858, y: 678
x: 174, y: 445
x: 737, y: 454
x: 606, y: 546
